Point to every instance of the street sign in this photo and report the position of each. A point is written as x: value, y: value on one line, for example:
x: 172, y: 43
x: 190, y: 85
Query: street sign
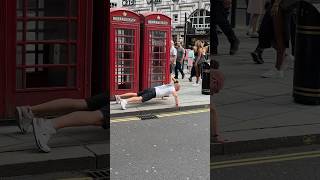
x: 128, y: 2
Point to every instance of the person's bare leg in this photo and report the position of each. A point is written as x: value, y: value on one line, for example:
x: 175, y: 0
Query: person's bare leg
x: 128, y: 95
x: 280, y: 46
x: 59, y: 105
x: 214, y: 119
x: 134, y: 100
x: 215, y: 136
x: 254, y: 22
x: 79, y: 118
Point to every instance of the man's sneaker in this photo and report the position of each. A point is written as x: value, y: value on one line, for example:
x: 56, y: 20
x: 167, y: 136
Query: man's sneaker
x: 256, y: 57
x: 24, y: 118
x: 273, y: 73
x: 288, y: 62
x: 254, y: 35
x: 42, y: 131
x: 234, y: 47
x: 196, y: 84
x: 123, y: 104
x: 117, y: 99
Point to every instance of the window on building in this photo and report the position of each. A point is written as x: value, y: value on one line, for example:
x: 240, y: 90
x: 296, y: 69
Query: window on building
x: 112, y: 4
x: 200, y: 19
x: 175, y: 18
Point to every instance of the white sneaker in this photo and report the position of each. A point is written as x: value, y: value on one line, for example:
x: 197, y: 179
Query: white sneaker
x: 196, y: 84
x: 42, y: 131
x: 117, y: 99
x: 123, y: 104
x: 288, y: 62
x: 24, y: 118
x: 254, y: 35
x: 273, y: 73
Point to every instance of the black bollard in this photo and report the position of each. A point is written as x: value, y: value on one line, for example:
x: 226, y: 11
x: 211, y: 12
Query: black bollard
x: 306, y: 83
x: 205, y: 87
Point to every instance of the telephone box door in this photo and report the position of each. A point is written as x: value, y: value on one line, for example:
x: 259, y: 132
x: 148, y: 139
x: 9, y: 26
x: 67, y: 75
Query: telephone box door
x: 156, y: 50
x: 157, y: 68
x: 53, y: 48
x: 124, y: 52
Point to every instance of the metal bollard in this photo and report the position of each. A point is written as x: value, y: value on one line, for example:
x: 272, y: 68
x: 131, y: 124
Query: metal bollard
x: 306, y: 83
x: 205, y: 87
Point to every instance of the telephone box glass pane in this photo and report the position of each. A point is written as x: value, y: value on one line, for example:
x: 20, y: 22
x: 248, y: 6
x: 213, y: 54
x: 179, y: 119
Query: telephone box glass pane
x: 48, y: 8
x: 124, y: 65
x: 157, y: 57
x: 46, y: 77
x: 47, y: 30
x: 37, y: 54
x: 47, y: 47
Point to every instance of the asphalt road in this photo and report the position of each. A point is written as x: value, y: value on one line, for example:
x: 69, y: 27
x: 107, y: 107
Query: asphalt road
x: 299, y: 163
x: 169, y: 148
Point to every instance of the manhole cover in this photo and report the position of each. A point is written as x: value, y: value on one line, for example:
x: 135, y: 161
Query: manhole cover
x: 102, y: 174
x: 147, y: 116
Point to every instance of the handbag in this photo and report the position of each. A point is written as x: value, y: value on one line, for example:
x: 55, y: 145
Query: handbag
x: 200, y: 59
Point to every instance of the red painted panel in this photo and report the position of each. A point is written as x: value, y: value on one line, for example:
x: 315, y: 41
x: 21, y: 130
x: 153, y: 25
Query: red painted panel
x: 2, y: 54
x: 10, y: 55
x: 155, y: 61
x: 124, y: 51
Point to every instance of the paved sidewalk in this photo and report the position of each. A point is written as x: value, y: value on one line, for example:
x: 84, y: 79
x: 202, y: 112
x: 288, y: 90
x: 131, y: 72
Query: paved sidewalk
x: 71, y: 149
x: 257, y: 113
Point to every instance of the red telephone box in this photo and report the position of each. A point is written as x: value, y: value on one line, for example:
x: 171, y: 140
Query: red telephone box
x: 155, y: 61
x: 124, y: 51
x: 45, y: 51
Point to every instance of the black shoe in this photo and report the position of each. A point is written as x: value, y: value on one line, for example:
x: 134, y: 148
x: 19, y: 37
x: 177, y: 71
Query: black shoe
x: 190, y: 79
x: 176, y: 77
x: 257, y: 58
x: 183, y: 76
x: 234, y: 47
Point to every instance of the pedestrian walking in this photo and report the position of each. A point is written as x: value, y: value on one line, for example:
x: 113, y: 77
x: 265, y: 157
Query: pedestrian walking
x: 84, y: 112
x: 150, y: 93
x: 276, y: 30
x: 256, y: 8
x: 173, y: 57
x: 179, y: 61
x: 199, y: 52
x: 219, y: 18
x: 216, y: 84
x: 190, y: 58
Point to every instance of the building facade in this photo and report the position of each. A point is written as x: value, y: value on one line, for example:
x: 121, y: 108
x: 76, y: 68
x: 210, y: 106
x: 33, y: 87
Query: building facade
x: 190, y: 18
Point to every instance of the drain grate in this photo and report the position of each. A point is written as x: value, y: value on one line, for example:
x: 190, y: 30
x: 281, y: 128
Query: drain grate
x: 102, y: 174
x: 147, y: 116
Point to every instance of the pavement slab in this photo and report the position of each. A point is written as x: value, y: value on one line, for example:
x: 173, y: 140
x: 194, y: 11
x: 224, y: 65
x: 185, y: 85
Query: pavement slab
x: 33, y: 162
